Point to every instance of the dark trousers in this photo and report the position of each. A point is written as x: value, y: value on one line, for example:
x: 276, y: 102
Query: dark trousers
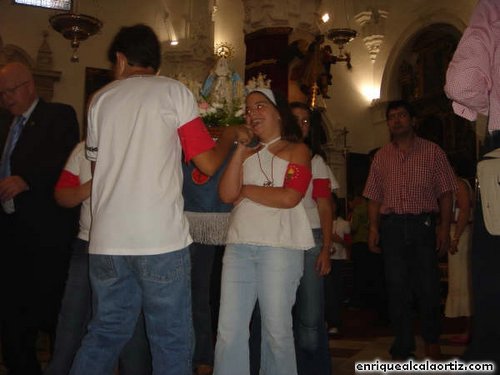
x: 202, y: 260
x: 485, y: 264
x: 411, y: 269
x: 334, y: 293
x: 360, y: 256
x: 368, y: 283
x: 32, y: 275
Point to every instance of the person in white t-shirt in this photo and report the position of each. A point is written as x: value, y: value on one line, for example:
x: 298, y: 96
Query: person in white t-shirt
x: 334, y: 286
x: 138, y: 128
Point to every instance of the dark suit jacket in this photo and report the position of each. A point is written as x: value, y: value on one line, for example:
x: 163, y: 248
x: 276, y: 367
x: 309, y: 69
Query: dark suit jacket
x: 47, y: 139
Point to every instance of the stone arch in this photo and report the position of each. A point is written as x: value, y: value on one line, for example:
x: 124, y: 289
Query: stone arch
x: 389, y: 84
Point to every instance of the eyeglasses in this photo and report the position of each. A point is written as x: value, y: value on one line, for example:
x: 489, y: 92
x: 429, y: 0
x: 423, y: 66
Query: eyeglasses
x: 398, y: 115
x: 12, y: 90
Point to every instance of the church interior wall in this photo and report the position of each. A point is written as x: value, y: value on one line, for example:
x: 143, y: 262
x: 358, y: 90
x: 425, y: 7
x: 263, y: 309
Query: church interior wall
x: 348, y: 106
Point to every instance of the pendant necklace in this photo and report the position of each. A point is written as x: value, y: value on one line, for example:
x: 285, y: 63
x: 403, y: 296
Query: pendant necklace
x: 269, y: 181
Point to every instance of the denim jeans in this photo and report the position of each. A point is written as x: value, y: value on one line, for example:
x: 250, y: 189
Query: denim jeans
x: 270, y: 275
x: 121, y: 286
x: 202, y: 259
x: 75, y: 313
x: 311, y: 337
x: 411, y: 267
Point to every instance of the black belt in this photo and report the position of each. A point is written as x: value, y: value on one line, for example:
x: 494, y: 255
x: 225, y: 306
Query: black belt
x: 427, y: 218
x: 409, y: 216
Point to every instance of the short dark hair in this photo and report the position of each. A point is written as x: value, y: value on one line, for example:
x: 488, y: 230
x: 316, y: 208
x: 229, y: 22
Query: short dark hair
x: 139, y: 44
x: 400, y: 104
x: 304, y: 106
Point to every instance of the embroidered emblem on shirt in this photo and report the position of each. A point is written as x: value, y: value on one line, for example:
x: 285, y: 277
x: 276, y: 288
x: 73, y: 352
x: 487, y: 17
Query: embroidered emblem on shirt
x: 292, y: 173
x: 198, y: 177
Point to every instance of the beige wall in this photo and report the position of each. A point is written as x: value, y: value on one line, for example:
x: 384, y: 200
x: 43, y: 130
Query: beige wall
x: 23, y: 26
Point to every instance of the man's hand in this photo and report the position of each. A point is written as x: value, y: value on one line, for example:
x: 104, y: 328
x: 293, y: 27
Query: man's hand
x: 442, y: 240
x: 453, y: 246
x: 11, y: 186
x: 323, y: 262
x: 373, y: 240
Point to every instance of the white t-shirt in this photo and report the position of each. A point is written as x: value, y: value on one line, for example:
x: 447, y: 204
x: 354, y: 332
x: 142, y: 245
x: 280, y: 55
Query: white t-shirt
x: 340, y: 227
x: 137, y: 204
x: 320, y: 170
x: 256, y: 224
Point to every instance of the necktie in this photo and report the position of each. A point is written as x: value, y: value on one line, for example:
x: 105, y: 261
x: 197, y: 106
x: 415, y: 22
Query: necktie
x: 14, y: 133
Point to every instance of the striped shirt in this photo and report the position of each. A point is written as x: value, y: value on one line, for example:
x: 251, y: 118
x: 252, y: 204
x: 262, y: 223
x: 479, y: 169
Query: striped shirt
x: 409, y: 182
x: 473, y: 76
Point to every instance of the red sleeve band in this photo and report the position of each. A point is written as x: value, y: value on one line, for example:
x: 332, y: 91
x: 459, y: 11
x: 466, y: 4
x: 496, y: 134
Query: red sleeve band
x: 195, y: 138
x: 322, y: 188
x: 297, y: 177
x: 348, y: 239
x: 67, y: 180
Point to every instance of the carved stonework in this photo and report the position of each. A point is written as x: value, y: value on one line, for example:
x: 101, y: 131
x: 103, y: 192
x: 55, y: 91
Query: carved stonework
x: 301, y: 14
x: 372, y: 22
x: 44, y: 57
x: 42, y: 71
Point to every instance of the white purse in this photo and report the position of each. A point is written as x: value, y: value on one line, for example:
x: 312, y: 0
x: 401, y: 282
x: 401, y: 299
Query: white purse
x: 488, y: 174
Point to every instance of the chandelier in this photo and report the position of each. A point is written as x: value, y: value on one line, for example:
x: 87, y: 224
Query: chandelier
x: 75, y: 27
x: 341, y: 37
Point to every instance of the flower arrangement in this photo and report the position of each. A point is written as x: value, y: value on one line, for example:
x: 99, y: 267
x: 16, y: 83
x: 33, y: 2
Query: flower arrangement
x: 221, y: 114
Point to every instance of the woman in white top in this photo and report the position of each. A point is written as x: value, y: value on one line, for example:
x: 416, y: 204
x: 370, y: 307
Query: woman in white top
x: 311, y: 339
x: 268, y: 232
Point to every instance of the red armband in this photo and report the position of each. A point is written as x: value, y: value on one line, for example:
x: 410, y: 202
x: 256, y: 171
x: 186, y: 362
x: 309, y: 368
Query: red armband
x: 322, y: 188
x: 348, y: 239
x: 297, y: 177
x: 195, y: 138
x: 66, y: 180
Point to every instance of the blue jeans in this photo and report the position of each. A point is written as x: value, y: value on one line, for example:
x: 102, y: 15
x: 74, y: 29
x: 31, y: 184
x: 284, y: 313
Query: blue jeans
x: 121, y: 286
x: 311, y: 337
x: 411, y: 267
x: 202, y: 259
x: 270, y: 275
x: 75, y: 313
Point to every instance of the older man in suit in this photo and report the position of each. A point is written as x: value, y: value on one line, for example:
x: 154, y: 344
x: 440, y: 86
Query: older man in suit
x: 34, y: 231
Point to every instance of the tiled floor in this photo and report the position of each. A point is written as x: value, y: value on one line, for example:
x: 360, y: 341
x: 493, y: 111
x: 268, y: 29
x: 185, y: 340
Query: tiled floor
x: 361, y: 340
x: 364, y: 340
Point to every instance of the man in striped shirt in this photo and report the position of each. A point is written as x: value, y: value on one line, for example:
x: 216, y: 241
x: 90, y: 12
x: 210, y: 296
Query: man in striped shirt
x: 410, y: 187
